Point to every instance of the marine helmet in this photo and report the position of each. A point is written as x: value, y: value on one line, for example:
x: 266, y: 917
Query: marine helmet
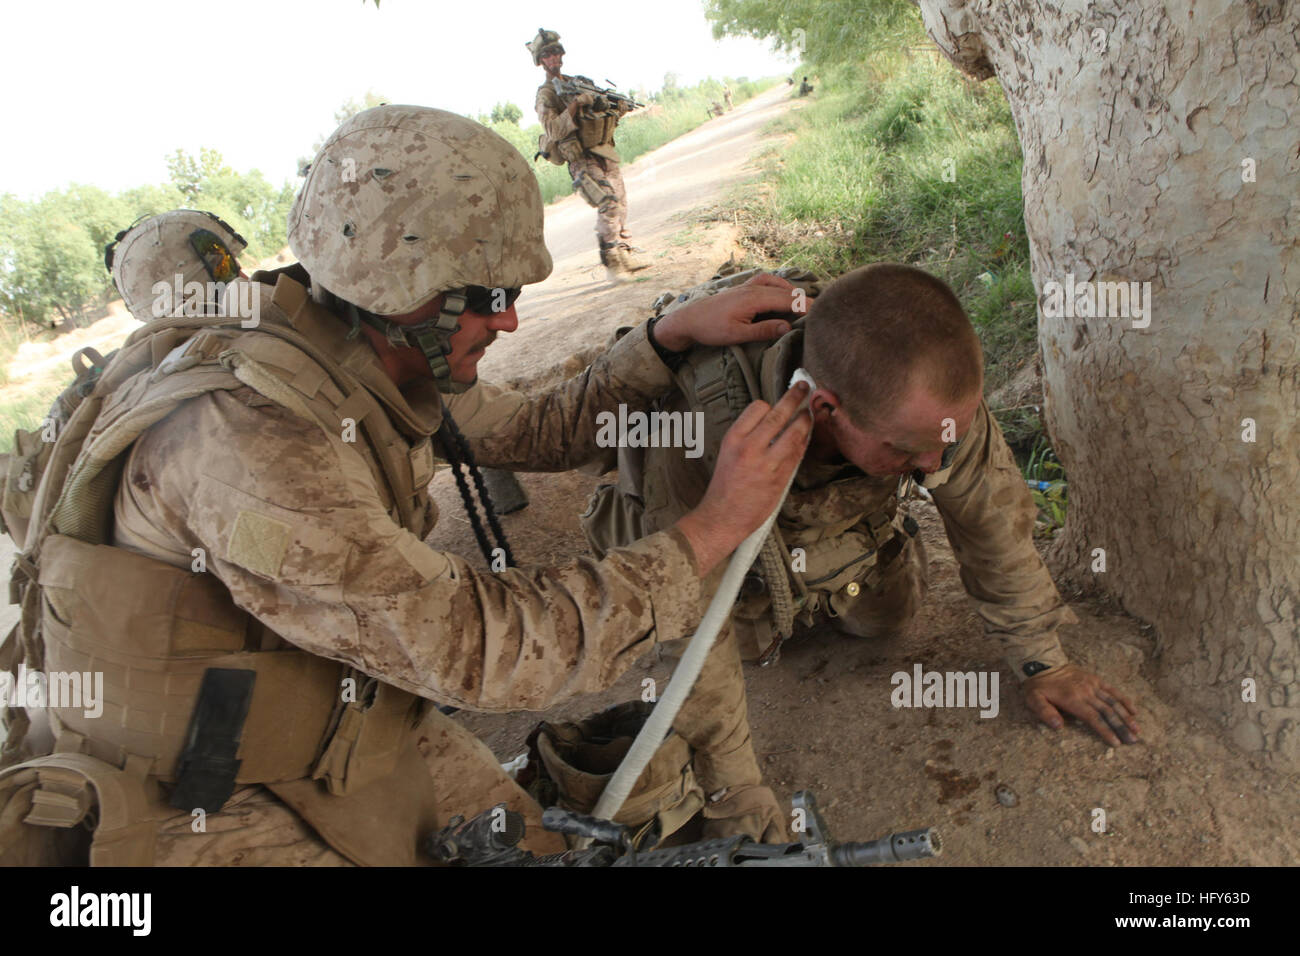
x: 185, y: 244
x: 545, y: 43
x: 404, y: 203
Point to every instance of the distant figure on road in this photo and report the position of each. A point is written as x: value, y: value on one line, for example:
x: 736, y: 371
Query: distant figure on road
x: 726, y: 95
x: 579, y: 130
x: 805, y: 87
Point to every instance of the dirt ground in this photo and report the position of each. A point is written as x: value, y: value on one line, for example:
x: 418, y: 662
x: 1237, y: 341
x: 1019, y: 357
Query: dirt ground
x: 822, y: 717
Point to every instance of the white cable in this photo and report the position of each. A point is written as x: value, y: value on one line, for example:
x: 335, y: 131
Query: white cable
x: 660, y: 721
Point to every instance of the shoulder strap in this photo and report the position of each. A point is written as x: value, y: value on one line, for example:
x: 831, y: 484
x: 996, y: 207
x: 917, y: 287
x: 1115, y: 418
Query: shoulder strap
x: 720, y: 383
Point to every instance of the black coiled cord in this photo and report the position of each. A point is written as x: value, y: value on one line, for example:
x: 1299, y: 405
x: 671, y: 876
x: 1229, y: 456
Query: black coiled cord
x: 458, y: 455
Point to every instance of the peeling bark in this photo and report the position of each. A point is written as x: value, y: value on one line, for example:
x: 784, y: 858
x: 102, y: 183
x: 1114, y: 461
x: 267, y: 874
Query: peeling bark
x: 1140, y: 143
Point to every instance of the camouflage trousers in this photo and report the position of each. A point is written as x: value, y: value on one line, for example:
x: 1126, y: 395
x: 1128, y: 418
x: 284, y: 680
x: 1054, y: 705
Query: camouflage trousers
x: 879, y: 613
x: 609, y: 197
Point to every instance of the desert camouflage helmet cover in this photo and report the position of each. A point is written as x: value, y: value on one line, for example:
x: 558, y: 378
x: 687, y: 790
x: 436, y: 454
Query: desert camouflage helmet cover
x: 162, y: 247
x: 542, y: 43
x: 405, y: 202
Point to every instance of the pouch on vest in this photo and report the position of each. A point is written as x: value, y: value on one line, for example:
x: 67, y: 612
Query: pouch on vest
x: 559, y: 153
x: 578, y: 760
x: 597, y: 130
x: 612, y: 520
x: 168, y: 626
x: 50, y: 806
x: 368, y: 740
x: 22, y: 469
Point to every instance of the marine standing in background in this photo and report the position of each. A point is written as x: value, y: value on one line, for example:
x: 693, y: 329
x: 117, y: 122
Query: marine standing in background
x: 577, y: 132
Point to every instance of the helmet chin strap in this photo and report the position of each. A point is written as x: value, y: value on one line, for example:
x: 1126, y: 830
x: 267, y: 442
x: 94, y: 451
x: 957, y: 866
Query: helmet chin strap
x: 432, y: 337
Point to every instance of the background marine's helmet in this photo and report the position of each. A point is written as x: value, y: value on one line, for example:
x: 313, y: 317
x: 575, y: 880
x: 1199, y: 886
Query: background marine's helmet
x: 196, y: 246
x: 545, y: 43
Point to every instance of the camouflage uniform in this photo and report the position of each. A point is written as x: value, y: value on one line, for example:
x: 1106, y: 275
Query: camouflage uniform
x: 232, y: 446
x: 844, y: 519
x: 354, y: 586
x: 601, y: 163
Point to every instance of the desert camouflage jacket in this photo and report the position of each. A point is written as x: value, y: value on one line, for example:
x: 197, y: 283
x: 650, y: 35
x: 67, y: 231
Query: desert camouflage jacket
x: 295, y: 524
x: 987, y: 511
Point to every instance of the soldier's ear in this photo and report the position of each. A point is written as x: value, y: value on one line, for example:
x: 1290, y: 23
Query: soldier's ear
x: 823, y: 403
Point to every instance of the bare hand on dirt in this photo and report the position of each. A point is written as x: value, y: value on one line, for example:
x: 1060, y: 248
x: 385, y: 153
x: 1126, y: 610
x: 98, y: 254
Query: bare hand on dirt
x: 754, y: 465
x: 728, y: 317
x: 1086, y: 696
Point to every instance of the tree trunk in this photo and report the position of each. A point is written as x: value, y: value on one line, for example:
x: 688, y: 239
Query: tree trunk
x: 1160, y: 147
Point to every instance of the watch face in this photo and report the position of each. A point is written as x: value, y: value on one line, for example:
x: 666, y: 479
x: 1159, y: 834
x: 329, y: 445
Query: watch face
x: 1033, y: 667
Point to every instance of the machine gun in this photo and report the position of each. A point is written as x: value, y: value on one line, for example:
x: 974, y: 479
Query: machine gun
x: 491, y: 838
x: 605, y: 100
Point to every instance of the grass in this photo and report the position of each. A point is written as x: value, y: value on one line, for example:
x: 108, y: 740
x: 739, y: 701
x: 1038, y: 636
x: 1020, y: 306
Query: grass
x: 902, y: 159
x: 24, y: 405
x: 27, y: 410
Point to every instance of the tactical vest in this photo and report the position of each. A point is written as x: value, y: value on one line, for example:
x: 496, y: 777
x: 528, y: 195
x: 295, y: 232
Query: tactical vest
x: 597, y: 131
x: 594, y: 134
x: 848, y: 531
x: 159, y: 633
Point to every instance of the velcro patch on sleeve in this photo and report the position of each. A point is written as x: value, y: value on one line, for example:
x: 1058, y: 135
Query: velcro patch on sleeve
x: 259, y: 543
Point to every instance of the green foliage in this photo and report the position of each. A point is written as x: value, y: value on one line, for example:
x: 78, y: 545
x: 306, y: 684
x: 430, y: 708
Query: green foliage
x: 188, y: 174
x: 866, y: 180
x: 247, y: 201
x: 505, y: 113
x: 823, y: 32
x: 52, y: 249
x: 52, y: 252
x: 1042, y: 464
x: 1052, y: 502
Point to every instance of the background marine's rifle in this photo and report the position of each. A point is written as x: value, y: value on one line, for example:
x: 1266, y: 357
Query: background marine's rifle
x: 490, y: 840
x: 605, y: 100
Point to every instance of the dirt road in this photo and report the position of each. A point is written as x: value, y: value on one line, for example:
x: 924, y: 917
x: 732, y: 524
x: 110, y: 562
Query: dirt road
x: 577, y: 306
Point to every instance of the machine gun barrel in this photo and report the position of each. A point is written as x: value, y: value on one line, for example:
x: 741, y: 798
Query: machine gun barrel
x: 491, y: 839
x: 895, y: 848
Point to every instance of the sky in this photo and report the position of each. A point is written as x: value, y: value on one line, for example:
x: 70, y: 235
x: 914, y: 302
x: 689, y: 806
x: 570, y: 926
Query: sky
x: 101, y: 92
